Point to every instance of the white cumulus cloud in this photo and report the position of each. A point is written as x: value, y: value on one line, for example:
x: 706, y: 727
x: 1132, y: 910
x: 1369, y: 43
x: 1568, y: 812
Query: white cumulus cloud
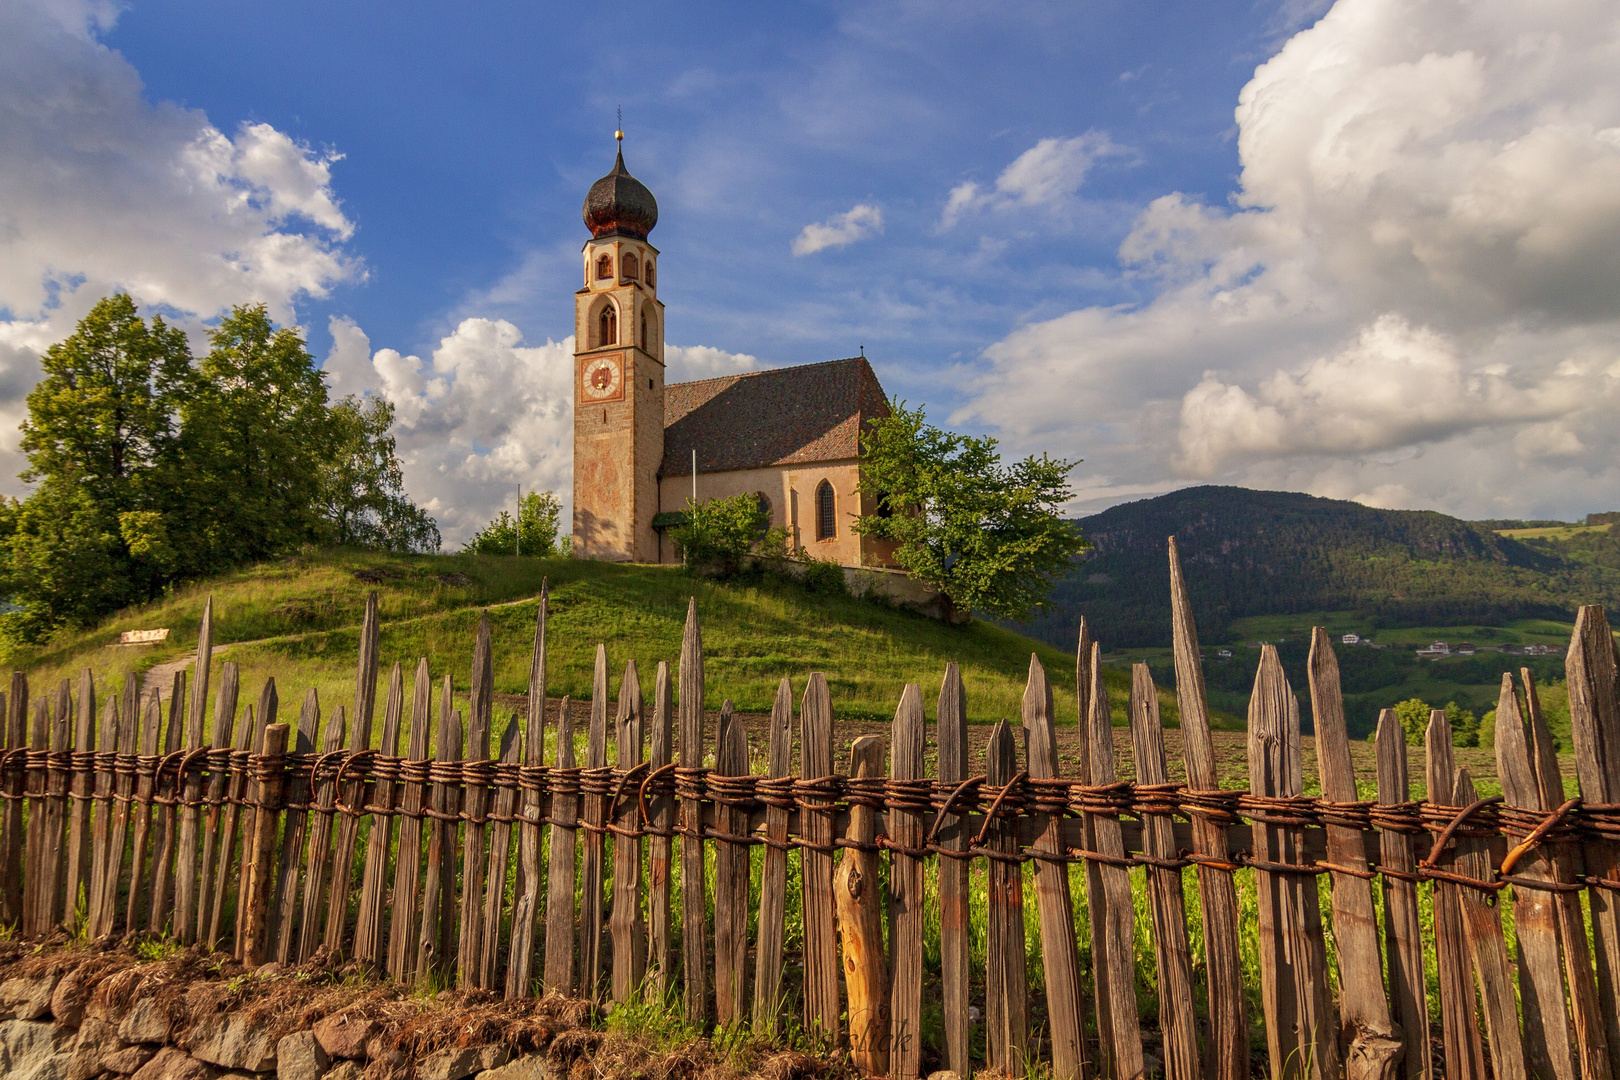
x: 857, y: 223
x: 105, y: 190
x: 483, y: 416
x: 1412, y: 298
x: 692, y: 362
x: 1046, y: 174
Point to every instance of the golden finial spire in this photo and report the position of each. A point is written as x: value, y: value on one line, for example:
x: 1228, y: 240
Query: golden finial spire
x: 618, y: 132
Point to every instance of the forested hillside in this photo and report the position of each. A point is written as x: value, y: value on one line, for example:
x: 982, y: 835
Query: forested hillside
x: 1248, y: 553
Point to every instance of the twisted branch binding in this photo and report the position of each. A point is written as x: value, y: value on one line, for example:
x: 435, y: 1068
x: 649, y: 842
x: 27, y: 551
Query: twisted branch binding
x: 1524, y: 829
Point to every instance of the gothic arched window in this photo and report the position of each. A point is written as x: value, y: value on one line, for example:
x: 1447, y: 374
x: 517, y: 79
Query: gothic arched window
x: 630, y: 265
x: 652, y: 276
x: 826, y: 512
x: 607, y: 326
x: 764, y: 501
x: 604, y: 268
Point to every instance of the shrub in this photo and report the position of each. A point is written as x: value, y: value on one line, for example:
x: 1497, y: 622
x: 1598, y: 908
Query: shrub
x: 1414, y: 717
x: 534, y: 533
x: 1464, y: 725
x: 719, y: 533
x: 823, y: 576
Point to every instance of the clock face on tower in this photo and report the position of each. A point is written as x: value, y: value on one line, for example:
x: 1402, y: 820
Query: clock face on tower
x: 603, y: 379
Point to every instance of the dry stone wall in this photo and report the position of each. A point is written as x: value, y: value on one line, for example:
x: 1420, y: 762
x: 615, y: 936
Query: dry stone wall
x: 95, y: 1020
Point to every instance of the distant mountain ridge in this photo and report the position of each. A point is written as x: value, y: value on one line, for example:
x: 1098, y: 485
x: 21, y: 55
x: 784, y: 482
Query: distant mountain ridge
x: 1248, y: 552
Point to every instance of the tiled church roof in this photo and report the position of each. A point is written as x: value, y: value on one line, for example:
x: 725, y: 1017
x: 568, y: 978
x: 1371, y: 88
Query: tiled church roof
x: 784, y: 416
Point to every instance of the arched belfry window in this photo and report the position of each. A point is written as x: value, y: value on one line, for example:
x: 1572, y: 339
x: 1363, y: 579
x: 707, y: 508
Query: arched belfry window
x: 607, y: 326
x: 632, y: 267
x: 652, y: 274
x: 826, y: 512
x: 649, y: 333
x: 604, y: 268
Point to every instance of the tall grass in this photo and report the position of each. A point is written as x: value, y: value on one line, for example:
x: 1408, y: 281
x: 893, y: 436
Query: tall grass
x: 298, y: 621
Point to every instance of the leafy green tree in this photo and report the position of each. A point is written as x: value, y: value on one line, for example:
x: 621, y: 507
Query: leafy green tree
x: 987, y: 535
x: 103, y: 446
x: 532, y: 533
x: 719, y: 533
x: 102, y: 417
x: 1414, y: 716
x: 259, y: 436
x: 363, y: 486
x: 1464, y: 725
x: 151, y: 469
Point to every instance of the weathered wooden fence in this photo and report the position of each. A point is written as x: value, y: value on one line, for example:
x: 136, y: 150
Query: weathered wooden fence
x: 118, y: 819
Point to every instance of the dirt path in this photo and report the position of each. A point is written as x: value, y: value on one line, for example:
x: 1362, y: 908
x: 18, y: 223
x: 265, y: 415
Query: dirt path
x: 160, y: 676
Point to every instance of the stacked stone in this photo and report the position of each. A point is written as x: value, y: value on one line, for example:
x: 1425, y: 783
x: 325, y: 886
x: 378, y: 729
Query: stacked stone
x: 56, y: 1028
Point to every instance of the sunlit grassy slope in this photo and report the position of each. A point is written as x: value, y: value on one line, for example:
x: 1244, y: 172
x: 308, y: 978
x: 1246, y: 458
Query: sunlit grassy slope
x: 298, y: 620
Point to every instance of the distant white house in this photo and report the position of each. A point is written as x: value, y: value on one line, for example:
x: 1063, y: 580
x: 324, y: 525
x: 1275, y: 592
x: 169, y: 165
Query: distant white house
x: 1466, y: 649
x: 1439, y: 648
x: 1224, y: 654
x: 1351, y: 639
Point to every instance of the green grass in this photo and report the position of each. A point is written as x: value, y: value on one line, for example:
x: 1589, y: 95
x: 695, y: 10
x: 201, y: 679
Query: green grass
x: 1379, y: 678
x: 1553, y: 532
x: 1274, y: 628
x: 298, y: 620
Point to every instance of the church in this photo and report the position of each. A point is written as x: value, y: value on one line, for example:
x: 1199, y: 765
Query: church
x: 643, y: 448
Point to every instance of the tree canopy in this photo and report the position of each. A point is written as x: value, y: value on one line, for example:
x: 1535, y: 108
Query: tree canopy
x: 1414, y: 714
x: 152, y: 468
x: 985, y: 534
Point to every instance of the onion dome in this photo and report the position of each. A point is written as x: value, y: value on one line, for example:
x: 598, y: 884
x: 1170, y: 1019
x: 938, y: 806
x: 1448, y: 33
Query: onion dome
x: 620, y: 205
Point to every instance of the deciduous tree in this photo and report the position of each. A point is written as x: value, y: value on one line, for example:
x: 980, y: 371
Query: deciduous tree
x: 985, y: 534
x: 151, y: 469
x: 363, y: 486
x: 533, y: 533
x: 104, y: 447
x: 258, y: 436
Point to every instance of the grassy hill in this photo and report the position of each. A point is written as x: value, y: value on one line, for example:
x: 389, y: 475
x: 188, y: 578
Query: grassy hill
x: 1258, y: 553
x: 1265, y: 566
x: 298, y: 620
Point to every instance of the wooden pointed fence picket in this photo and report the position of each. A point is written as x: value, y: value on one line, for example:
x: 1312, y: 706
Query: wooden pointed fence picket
x: 481, y: 858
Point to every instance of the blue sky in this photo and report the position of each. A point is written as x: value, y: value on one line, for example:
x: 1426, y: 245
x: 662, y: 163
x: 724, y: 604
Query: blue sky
x: 470, y: 133
x: 1367, y: 249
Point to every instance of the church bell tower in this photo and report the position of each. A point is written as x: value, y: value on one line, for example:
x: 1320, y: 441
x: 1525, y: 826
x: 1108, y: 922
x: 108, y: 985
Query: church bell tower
x: 618, y: 374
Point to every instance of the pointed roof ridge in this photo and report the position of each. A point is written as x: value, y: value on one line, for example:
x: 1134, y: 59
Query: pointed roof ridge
x: 796, y: 415
x: 771, y: 370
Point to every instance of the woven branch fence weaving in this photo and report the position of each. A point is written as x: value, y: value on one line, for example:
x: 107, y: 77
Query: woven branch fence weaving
x: 1454, y: 936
